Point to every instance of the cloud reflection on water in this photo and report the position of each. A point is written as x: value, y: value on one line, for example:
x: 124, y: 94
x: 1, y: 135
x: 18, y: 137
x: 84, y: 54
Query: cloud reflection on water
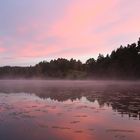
x: 69, y: 110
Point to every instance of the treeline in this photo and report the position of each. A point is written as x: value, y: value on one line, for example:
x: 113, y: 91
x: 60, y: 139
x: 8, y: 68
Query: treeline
x: 123, y: 63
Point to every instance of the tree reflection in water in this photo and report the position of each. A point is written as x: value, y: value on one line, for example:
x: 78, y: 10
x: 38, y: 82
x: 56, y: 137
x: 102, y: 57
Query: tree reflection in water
x: 123, y: 97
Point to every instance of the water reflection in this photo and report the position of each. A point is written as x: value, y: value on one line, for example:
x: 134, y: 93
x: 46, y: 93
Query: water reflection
x: 69, y: 110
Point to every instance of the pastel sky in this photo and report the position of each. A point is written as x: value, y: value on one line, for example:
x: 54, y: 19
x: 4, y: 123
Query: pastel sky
x: 36, y: 30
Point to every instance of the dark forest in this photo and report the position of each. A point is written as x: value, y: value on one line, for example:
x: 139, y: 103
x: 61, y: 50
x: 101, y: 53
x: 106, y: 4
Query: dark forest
x: 122, y: 63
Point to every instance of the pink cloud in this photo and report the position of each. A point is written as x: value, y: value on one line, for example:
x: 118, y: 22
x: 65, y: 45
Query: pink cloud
x: 130, y: 25
x: 84, y: 29
x: 2, y: 49
x: 74, y: 31
x: 81, y: 15
x: 31, y: 49
x: 77, y: 28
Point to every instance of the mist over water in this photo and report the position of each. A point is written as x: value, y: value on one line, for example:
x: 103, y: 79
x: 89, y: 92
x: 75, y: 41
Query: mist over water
x: 67, y: 109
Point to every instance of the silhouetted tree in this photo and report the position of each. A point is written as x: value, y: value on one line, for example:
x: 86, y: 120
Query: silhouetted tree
x: 122, y: 63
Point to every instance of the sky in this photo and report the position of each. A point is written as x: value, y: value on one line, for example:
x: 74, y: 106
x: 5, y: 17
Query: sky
x: 35, y: 30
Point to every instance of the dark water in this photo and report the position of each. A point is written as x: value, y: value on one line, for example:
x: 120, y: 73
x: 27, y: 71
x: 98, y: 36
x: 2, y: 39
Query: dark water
x: 69, y: 110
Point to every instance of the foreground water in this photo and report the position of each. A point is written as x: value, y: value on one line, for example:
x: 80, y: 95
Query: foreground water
x: 69, y: 110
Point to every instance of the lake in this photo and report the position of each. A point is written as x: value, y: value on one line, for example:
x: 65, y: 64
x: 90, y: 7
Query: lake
x: 69, y: 110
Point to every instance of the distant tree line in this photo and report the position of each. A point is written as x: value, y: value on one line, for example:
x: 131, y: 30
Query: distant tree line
x: 122, y: 63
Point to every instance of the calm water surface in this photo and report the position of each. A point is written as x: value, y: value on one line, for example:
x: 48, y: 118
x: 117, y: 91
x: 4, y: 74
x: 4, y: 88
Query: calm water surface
x: 69, y: 110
